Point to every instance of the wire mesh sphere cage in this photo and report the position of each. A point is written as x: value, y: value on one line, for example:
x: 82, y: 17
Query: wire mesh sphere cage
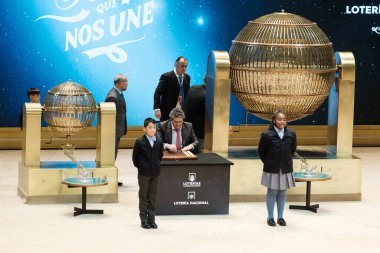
x: 282, y: 61
x: 69, y: 108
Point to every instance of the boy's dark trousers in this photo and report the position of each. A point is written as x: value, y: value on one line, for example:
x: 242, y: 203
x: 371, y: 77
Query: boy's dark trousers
x: 147, y: 197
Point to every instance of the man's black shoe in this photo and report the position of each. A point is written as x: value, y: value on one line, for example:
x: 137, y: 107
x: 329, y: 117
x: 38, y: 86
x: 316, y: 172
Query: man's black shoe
x: 145, y: 224
x: 119, y: 183
x: 153, y: 225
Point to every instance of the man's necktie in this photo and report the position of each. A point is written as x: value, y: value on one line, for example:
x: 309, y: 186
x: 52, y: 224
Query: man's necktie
x: 178, y: 140
x: 181, y: 91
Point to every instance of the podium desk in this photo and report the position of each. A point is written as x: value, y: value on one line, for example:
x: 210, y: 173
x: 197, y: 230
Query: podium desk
x: 199, y: 186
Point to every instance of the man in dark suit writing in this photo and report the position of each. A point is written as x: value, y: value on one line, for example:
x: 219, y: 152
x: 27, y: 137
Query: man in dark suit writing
x: 176, y: 134
x: 171, y: 89
x: 116, y: 95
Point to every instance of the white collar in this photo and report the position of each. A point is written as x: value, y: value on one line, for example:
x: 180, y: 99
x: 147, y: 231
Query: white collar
x: 151, y: 138
x: 278, y: 130
x: 173, y: 129
x: 175, y: 72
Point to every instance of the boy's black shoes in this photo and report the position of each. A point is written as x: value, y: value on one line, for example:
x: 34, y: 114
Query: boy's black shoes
x: 271, y: 222
x: 153, y: 225
x: 119, y: 183
x: 145, y: 224
x: 281, y: 222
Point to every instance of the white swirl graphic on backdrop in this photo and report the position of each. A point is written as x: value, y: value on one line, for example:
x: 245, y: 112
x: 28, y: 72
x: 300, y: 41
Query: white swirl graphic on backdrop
x: 72, y: 19
x: 70, y: 5
x: 376, y: 30
x: 114, y: 52
x: 82, y: 35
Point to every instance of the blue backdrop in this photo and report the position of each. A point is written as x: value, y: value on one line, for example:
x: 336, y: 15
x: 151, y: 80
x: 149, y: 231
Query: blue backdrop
x: 44, y: 43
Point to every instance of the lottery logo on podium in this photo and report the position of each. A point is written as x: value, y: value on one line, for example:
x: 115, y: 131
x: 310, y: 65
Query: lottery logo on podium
x: 191, y: 195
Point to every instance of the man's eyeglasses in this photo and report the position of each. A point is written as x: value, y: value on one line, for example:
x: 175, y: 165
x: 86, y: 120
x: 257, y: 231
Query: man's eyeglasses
x: 183, y: 66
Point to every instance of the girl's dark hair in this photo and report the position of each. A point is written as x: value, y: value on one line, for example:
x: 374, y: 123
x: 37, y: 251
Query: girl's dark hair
x: 274, y: 116
x: 149, y: 120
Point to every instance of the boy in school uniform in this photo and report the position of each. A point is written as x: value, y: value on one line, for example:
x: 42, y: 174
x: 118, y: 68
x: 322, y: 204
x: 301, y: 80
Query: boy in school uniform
x: 147, y: 155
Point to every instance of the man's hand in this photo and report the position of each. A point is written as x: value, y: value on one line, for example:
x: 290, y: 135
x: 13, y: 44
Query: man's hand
x: 188, y: 148
x: 172, y: 148
x: 157, y: 114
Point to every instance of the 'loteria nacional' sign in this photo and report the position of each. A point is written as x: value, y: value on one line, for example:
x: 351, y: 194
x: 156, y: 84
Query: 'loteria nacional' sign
x: 364, y: 10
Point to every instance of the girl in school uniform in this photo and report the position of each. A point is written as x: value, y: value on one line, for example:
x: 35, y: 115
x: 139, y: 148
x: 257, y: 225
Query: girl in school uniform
x: 276, y: 148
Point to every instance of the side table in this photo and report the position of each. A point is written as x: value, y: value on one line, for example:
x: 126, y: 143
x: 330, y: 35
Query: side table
x: 308, y: 178
x: 78, y: 182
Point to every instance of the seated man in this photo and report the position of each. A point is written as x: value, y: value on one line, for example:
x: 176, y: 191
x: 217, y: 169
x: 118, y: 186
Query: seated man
x: 176, y: 134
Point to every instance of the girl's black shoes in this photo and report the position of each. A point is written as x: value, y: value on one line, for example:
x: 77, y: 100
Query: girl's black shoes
x: 281, y: 222
x: 271, y: 222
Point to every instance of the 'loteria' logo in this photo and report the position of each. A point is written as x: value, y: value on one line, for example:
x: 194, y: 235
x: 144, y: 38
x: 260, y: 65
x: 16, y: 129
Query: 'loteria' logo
x: 192, y: 181
x: 192, y: 177
x: 191, y: 195
x: 376, y: 30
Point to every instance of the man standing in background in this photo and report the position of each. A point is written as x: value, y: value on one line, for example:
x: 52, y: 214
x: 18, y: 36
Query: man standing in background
x: 171, y: 89
x: 116, y: 95
x: 195, y: 109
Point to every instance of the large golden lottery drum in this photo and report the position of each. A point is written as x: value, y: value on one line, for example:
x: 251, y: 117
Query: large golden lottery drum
x: 69, y: 108
x: 282, y: 61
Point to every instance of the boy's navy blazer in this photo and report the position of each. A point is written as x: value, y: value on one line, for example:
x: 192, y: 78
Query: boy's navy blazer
x: 146, y: 158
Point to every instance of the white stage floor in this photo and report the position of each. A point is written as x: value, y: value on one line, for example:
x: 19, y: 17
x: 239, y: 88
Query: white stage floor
x: 339, y: 226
